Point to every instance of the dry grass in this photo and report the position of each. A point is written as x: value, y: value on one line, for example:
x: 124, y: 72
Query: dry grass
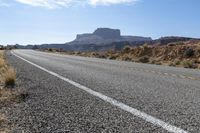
x: 8, y: 74
x: 9, y: 77
x: 2, y: 120
x: 189, y: 64
x: 2, y: 63
x: 199, y: 66
x: 9, y: 96
x: 144, y: 59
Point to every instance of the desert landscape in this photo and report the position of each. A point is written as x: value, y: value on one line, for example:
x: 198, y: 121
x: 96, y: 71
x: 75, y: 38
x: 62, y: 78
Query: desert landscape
x: 99, y: 66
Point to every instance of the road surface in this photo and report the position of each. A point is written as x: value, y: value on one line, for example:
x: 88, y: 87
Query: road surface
x: 79, y: 94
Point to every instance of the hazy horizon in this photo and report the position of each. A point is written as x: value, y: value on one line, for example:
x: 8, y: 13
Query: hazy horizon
x: 58, y: 21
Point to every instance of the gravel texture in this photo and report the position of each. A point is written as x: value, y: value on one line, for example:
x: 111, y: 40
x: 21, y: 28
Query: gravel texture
x: 56, y: 106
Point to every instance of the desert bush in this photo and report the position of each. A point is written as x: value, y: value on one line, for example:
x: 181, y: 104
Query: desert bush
x: 158, y: 63
x: 94, y: 54
x: 170, y: 63
x: 126, y: 49
x: 189, y: 52
x: 198, y: 60
x: 144, y: 59
x: 198, y: 66
x: 188, y: 64
x: 179, y: 43
x: 10, y: 76
x: 77, y: 53
x: 102, y: 56
x: 57, y: 50
x: 177, y: 62
x: 2, y: 62
x: 51, y: 50
x: 126, y: 58
x: 145, y: 45
x: 152, y: 61
x: 171, y: 44
x: 112, y: 57
x: 111, y: 51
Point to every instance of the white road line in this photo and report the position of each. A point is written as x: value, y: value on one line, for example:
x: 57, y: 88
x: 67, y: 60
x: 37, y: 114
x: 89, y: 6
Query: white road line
x: 133, y: 111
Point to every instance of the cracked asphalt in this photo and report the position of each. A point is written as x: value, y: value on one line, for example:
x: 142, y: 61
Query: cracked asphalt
x: 54, y: 105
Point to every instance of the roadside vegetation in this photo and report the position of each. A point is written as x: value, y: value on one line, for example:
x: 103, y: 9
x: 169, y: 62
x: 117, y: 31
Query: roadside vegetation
x: 178, y: 54
x: 8, y: 93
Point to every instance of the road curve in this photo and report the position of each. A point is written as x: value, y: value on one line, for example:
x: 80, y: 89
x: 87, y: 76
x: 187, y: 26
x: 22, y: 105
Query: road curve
x: 169, y: 95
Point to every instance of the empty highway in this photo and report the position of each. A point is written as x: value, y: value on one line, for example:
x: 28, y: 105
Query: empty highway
x: 79, y: 94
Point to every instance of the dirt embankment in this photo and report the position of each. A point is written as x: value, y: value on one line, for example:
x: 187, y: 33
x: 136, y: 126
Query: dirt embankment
x: 186, y: 55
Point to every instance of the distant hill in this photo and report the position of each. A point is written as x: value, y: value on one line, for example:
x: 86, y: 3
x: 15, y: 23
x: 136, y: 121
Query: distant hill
x: 100, y: 40
x: 171, y: 39
x: 105, y: 36
x: 103, y: 39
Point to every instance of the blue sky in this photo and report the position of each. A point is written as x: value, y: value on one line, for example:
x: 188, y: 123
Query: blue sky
x: 58, y: 21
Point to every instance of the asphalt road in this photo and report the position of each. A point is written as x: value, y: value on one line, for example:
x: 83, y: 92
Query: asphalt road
x: 79, y: 94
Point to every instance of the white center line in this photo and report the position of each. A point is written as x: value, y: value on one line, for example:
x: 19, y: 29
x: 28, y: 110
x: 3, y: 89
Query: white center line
x: 133, y: 111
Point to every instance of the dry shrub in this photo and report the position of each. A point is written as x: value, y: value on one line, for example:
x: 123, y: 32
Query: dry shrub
x: 126, y: 49
x: 10, y: 76
x: 2, y: 124
x: 8, y: 96
x: 188, y: 64
x: 144, y: 59
x: 189, y: 53
x: 2, y: 119
x: 180, y: 43
x: 77, y: 53
x: 101, y: 55
x: 50, y: 50
x: 170, y: 63
x: 198, y: 66
x: 171, y: 44
x: 177, y: 62
x: 152, y: 61
x: 145, y: 45
x: 127, y: 58
x: 5, y: 96
x: 198, y: 60
x: 112, y: 57
x: 2, y: 63
x: 158, y: 63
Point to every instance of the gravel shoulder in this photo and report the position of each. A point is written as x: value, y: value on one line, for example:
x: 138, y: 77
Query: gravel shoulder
x: 10, y: 93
